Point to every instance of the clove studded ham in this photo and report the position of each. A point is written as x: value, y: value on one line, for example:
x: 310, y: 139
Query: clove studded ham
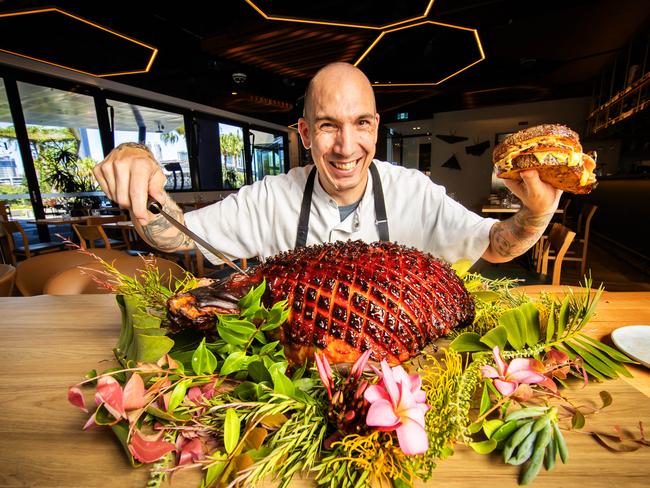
x: 344, y: 298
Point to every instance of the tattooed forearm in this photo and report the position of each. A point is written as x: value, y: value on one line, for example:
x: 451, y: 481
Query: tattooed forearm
x: 513, y: 237
x: 162, y: 235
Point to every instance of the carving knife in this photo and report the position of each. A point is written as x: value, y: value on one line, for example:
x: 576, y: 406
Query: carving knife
x: 156, y: 208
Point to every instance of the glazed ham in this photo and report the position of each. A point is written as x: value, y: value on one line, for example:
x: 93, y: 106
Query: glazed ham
x: 344, y: 298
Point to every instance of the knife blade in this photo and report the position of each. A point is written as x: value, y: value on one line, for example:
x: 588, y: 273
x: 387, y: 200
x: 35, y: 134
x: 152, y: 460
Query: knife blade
x: 156, y: 208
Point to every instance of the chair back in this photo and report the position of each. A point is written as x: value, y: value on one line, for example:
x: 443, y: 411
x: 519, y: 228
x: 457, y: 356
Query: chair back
x: 12, y: 227
x: 584, y: 219
x: 33, y: 273
x: 82, y: 280
x: 559, y: 240
x: 90, y: 234
x: 565, y: 211
x: 5, y: 211
x: 583, y: 228
x: 7, y: 279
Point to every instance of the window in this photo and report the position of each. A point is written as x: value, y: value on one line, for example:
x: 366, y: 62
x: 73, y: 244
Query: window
x: 162, y: 132
x: 65, y: 145
x: 233, y: 160
x: 268, y: 154
x: 13, y: 187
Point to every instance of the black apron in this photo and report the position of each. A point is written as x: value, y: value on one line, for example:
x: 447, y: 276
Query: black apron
x: 380, y: 207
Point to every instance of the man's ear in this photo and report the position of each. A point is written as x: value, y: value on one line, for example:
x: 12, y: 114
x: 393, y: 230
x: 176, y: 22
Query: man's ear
x: 303, y: 130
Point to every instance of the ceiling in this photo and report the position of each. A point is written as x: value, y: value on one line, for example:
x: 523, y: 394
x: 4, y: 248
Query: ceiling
x: 532, y: 50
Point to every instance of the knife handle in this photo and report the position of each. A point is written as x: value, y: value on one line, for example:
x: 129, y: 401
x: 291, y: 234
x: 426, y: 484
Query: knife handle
x: 154, y: 206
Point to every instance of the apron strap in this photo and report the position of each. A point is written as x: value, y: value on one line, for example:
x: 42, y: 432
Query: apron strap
x: 303, y: 221
x: 380, y: 204
x: 305, y: 208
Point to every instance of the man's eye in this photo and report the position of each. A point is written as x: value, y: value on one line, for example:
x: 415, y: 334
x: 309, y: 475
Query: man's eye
x: 364, y: 122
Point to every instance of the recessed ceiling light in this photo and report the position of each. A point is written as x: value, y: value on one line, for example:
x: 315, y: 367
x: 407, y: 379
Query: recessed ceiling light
x: 233, y: 93
x: 417, y: 128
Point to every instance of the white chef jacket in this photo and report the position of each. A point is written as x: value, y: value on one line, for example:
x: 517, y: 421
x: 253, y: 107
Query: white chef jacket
x: 261, y: 219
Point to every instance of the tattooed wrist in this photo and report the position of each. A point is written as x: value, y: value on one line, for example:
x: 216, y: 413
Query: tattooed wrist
x: 513, y: 237
x: 160, y: 233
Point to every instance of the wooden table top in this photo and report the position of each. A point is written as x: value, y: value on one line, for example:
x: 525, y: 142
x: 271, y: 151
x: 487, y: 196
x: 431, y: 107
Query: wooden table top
x: 48, y: 343
x: 67, y: 220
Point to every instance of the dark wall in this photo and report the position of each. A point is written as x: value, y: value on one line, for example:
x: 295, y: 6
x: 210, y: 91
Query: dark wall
x: 623, y: 214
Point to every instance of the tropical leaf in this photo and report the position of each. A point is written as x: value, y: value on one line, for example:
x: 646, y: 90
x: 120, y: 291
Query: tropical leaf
x: 461, y: 267
x: 613, y: 353
x: 531, y: 316
x: 572, y: 355
x: 468, y: 342
x: 231, y: 428
x: 485, y: 400
x: 597, y: 354
x: 495, y: 337
x: 484, y: 447
x: 514, y: 321
x: 550, y: 324
x: 563, y: 317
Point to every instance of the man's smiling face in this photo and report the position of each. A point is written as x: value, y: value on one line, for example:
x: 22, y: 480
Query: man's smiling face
x: 340, y: 126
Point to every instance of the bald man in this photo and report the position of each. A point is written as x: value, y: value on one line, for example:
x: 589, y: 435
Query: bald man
x: 345, y: 195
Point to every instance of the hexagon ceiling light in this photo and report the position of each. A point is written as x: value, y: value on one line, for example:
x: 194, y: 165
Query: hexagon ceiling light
x: 388, y: 48
x: 301, y: 12
x: 121, y: 55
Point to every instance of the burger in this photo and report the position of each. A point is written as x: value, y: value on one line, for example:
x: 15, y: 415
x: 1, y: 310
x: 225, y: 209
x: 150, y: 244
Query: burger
x: 554, y: 151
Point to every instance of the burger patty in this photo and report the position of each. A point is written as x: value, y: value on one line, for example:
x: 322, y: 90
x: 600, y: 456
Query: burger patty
x: 552, y: 171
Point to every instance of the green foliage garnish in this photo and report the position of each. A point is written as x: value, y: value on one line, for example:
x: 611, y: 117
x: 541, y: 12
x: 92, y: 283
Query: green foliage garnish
x: 234, y: 386
x: 531, y: 328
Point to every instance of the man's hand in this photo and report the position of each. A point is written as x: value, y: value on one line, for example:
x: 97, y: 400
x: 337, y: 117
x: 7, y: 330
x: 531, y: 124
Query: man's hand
x: 513, y: 237
x: 537, y: 196
x: 128, y: 175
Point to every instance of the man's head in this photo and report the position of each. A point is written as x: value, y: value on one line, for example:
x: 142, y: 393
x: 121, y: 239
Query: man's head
x: 339, y: 125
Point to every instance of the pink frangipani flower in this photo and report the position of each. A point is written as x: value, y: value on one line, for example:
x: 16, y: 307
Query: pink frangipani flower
x: 397, y: 403
x: 520, y: 370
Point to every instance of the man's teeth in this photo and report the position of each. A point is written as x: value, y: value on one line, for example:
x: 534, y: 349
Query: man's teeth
x: 344, y: 166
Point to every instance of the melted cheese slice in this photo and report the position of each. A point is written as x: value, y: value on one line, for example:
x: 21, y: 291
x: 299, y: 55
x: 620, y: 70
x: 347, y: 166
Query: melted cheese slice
x: 529, y: 147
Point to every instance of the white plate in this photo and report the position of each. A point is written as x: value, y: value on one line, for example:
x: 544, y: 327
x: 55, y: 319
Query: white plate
x: 634, y: 340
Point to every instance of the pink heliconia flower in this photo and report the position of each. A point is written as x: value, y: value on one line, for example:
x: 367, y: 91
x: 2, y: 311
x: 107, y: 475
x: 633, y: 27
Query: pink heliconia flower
x: 520, y: 370
x: 398, y: 403
x: 148, y: 450
x: 325, y: 373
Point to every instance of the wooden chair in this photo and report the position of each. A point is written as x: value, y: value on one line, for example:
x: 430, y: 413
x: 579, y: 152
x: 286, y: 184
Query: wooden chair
x: 33, y: 273
x: 7, y: 279
x: 5, y: 211
x: 565, y: 210
x: 555, y: 248
x: 125, y: 240
x: 89, y: 235
x: 81, y: 280
x: 27, y: 250
x: 579, y: 251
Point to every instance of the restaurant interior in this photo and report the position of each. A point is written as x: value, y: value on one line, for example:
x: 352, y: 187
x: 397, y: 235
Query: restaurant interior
x: 215, y: 90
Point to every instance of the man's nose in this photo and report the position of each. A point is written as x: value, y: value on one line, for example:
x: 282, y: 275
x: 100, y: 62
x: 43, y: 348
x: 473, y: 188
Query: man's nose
x: 345, y: 140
